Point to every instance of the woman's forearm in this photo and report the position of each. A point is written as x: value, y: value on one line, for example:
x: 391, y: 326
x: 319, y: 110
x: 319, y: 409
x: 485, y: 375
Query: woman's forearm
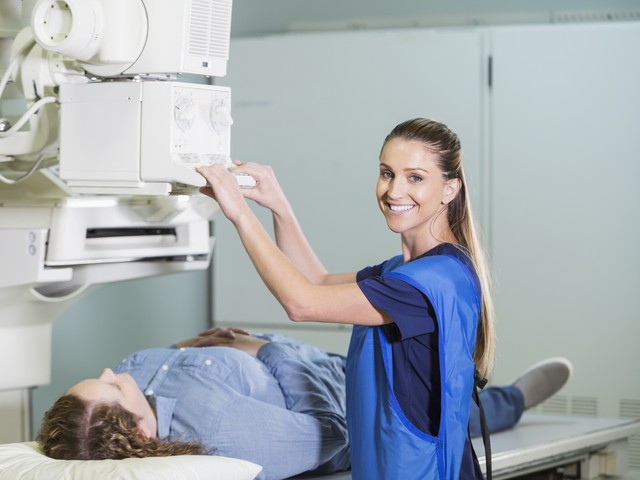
x: 288, y: 235
x: 301, y: 299
x: 293, y: 243
x: 277, y: 271
x: 338, y: 300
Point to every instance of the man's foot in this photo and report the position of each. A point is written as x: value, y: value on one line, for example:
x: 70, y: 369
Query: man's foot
x: 543, y: 380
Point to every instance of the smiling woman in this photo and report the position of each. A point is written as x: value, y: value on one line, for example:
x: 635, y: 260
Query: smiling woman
x: 413, y: 194
x: 416, y: 316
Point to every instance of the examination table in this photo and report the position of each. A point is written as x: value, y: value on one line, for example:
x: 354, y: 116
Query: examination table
x: 579, y: 447
x: 585, y: 447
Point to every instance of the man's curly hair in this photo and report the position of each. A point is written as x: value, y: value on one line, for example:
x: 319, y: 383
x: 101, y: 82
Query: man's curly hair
x: 74, y: 429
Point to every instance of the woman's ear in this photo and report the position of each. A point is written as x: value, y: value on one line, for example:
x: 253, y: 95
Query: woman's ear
x: 451, y: 189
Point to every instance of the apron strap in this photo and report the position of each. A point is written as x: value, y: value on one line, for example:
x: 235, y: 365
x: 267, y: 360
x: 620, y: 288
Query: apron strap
x: 481, y: 382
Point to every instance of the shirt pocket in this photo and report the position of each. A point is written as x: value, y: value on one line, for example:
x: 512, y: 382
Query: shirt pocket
x: 202, y: 364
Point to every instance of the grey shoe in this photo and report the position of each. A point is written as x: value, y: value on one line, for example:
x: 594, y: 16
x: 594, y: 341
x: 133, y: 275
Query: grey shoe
x: 543, y: 380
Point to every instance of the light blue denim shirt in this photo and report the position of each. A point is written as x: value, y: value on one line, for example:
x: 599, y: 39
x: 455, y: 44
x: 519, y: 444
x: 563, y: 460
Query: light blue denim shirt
x: 284, y: 410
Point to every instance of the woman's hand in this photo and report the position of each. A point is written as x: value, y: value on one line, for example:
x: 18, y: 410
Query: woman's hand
x: 224, y: 189
x: 267, y: 191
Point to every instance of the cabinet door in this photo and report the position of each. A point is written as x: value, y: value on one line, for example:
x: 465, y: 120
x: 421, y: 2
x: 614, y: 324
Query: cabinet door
x: 317, y: 107
x: 565, y: 143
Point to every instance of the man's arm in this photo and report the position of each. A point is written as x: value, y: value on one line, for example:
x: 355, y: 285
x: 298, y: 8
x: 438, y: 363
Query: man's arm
x: 310, y: 433
x: 233, y: 337
x: 313, y: 383
x: 283, y: 442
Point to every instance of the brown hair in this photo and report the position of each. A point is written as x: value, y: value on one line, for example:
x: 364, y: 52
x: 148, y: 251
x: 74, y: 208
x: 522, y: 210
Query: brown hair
x: 74, y: 429
x: 442, y: 141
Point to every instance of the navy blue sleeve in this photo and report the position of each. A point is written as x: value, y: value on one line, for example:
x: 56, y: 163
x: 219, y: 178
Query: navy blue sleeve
x: 406, y: 305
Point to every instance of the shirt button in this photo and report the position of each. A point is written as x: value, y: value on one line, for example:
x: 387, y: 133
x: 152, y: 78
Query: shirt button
x: 208, y: 361
x: 165, y: 367
x: 149, y: 391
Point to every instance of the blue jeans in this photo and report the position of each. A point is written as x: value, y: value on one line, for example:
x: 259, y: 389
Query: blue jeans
x: 503, y: 407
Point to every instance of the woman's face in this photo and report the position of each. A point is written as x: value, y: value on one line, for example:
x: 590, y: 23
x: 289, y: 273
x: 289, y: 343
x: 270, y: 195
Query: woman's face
x: 122, y: 389
x: 411, y: 190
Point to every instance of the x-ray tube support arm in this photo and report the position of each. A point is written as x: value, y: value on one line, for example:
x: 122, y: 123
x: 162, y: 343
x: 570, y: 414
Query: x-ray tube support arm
x: 106, y: 109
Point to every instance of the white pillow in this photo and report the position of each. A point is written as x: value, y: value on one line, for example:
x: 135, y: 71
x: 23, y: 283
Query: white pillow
x: 25, y: 461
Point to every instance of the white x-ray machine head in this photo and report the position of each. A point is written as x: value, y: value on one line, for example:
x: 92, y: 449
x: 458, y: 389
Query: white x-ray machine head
x: 105, y: 111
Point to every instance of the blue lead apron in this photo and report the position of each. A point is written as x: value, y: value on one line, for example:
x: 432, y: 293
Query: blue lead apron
x: 384, y: 444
